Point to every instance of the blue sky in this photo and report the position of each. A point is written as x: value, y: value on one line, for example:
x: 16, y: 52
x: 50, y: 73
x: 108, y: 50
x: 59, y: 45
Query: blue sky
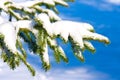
x: 105, y: 20
x: 104, y: 15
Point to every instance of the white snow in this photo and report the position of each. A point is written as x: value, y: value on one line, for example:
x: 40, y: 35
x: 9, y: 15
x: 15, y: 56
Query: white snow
x: 23, y: 24
x: 45, y: 55
x: 2, y: 6
x: 1, y: 20
x: 95, y: 36
x: 73, y: 25
x: 45, y: 21
x: 28, y: 3
x: 52, y: 41
x: 77, y: 38
x: 62, y: 53
x: 52, y: 14
x: 62, y: 2
x: 87, y: 26
x: 10, y: 36
x: 49, y: 2
x: 77, y: 30
x: 79, y: 55
x: 10, y: 31
x: 89, y: 45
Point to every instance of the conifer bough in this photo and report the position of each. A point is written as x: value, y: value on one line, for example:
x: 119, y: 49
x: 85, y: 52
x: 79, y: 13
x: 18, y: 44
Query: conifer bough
x: 37, y: 23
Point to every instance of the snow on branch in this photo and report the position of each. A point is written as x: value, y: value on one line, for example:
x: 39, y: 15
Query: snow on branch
x: 78, y: 32
x: 8, y: 31
x: 38, y: 24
